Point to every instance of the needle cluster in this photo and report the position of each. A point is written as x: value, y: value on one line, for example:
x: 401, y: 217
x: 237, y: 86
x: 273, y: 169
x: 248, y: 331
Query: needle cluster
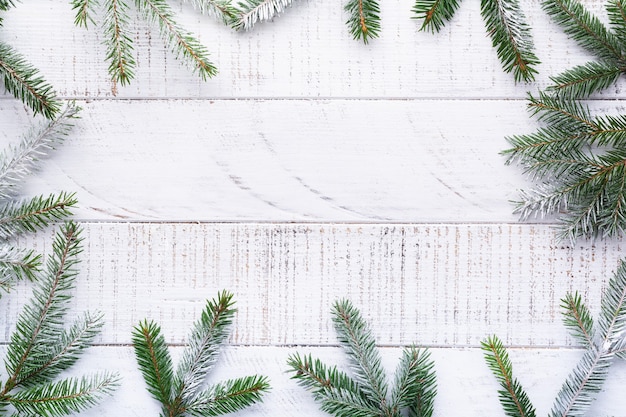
x: 603, y: 340
x: 183, y: 392
x: 365, y: 393
x: 578, y: 157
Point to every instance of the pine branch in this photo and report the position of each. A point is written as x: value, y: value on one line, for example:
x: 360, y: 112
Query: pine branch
x: 182, y: 43
x: 84, y: 10
x: 435, y: 13
x: 510, y: 35
x: 583, y: 80
x: 365, y: 395
x: 64, y: 397
x: 40, y: 324
x: 17, y: 264
x: 616, y: 10
x: 585, y: 29
x: 179, y: 394
x: 203, y: 346
x: 229, y: 396
x: 513, y: 398
x: 415, y: 386
x: 248, y: 12
x: 577, y: 319
x: 23, y: 81
x: 18, y: 162
x: 222, y: 10
x: 364, y: 19
x: 36, y: 214
x: 612, y: 321
x: 357, y: 340
x: 154, y: 361
x: 119, y: 43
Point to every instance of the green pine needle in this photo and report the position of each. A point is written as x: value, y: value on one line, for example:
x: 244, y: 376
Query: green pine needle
x: 17, y: 264
x: 182, y: 43
x: 118, y: 41
x: 154, y: 361
x: 84, y: 10
x: 24, y: 82
x: 513, y: 398
x: 364, y: 19
x: 616, y: 10
x: 248, y: 12
x: 65, y: 397
x: 180, y: 393
x: 435, y: 13
x: 365, y: 394
x: 577, y: 319
x: 584, y: 80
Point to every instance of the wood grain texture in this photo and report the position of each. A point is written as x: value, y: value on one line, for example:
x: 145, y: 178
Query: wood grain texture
x: 432, y: 284
x: 306, y: 52
x: 286, y: 160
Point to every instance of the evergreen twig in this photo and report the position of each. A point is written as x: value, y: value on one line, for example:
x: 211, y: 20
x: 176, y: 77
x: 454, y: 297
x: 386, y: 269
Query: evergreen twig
x: 365, y: 394
x: 248, y: 12
x: 181, y: 392
x: 603, y: 342
x: 41, y: 347
x: 364, y: 19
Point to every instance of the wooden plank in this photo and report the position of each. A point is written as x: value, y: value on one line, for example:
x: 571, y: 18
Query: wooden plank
x: 285, y: 160
x: 307, y: 52
x: 436, y: 284
x: 465, y: 385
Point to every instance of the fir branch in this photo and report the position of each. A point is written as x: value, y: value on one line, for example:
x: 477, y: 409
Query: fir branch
x: 229, y: 396
x: 23, y: 81
x: 222, y: 10
x: 64, y: 397
x: 510, y: 35
x: 40, y: 324
x: 616, y: 10
x: 18, y: 162
x: 513, y: 398
x: 364, y: 19
x: 612, y: 322
x: 248, y: 12
x: 357, y: 340
x: 36, y: 214
x: 583, y: 80
x: 365, y: 395
x: 585, y: 29
x: 577, y: 319
x: 84, y: 10
x: 415, y: 385
x: 154, y: 361
x: 182, y: 43
x: 16, y: 264
x: 119, y: 43
x: 203, y: 346
x: 180, y: 393
x: 435, y: 13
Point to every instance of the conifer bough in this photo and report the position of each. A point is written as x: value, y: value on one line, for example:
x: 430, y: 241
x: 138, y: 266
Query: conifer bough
x: 183, y: 392
x: 365, y: 394
x: 578, y: 158
x: 603, y: 340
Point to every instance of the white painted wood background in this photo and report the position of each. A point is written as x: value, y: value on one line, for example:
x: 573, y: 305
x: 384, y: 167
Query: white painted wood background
x: 313, y: 168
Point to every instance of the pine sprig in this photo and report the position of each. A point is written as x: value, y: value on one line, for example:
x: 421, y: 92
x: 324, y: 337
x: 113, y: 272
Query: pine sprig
x: 180, y: 393
x: 23, y: 81
x: 248, y: 12
x: 365, y: 394
x: 41, y: 347
x: 181, y: 42
x: 84, y: 11
x: 223, y: 10
x: 363, y: 19
x: 603, y: 341
x: 434, y: 13
x: 16, y: 264
x: 510, y: 35
x: 118, y: 41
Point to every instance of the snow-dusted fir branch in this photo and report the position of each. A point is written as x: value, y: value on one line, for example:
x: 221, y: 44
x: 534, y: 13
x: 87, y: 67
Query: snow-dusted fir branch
x: 603, y: 340
x: 42, y: 347
x: 248, y: 12
x: 366, y: 392
x: 24, y: 81
x: 183, y: 392
x: 19, y: 216
x: 118, y: 41
x: 505, y: 23
x: 363, y: 19
x: 222, y: 10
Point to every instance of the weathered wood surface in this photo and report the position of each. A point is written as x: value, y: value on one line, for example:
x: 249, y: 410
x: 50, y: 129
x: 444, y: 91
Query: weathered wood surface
x: 310, y: 169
